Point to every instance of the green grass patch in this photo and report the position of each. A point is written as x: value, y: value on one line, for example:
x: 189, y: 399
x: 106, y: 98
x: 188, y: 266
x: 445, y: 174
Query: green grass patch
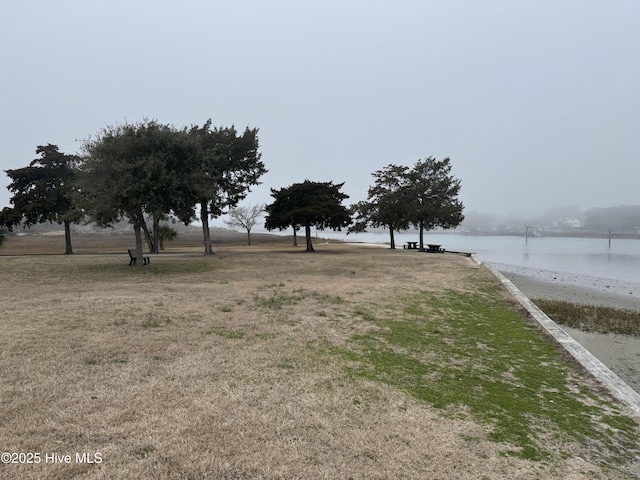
x: 265, y: 336
x: 470, y: 352
x: 144, y: 451
x: 155, y: 320
x: 279, y: 298
x: 364, y: 313
x: 286, y: 366
x: 592, y: 318
x: 226, y: 333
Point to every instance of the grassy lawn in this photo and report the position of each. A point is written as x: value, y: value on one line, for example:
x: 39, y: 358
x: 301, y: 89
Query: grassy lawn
x: 266, y: 362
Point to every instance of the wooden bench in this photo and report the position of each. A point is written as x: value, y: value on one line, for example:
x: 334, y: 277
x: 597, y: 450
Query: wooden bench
x: 134, y: 259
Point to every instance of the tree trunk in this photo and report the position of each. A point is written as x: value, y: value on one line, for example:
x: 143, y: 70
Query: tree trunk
x: 147, y: 235
x: 307, y: 232
x: 204, y: 218
x: 138, y: 234
x: 67, y: 238
x: 249, y: 236
x: 295, y: 237
x: 421, y: 236
x: 156, y: 234
x: 392, y: 238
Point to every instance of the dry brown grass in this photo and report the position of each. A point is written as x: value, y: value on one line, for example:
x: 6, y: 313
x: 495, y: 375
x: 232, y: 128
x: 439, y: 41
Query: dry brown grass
x: 221, y: 367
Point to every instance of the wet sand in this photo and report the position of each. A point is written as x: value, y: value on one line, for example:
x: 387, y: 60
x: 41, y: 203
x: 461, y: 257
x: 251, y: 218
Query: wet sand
x: 621, y: 353
x: 535, y: 283
x: 553, y: 290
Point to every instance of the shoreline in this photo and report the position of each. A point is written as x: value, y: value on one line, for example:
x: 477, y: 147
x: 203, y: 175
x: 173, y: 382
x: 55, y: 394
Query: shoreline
x: 620, y: 353
x: 552, y: 285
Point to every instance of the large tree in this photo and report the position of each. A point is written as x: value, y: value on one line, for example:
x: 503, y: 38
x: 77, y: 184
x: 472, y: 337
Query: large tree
x: 430, y: 196
x: 137, y: 170
x: 225, y: 167
x: 384, y: 206
x: 152, y: 170
x: 308, y: 204
x: 45, y: 191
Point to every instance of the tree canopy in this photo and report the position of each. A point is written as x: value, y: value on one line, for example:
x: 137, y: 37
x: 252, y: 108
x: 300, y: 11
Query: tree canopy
x: 45, y: 191
x: 149, y: 170
x: 384, y: 206
x: 135, y: 169
x: 308, y: 204
x: 425, y: 196
x: 225, y: 167
x: 432, y: 196
x: 155, y: 170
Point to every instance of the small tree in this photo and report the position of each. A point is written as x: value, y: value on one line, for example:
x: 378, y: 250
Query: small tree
x: 9, y: 218
x: 308, y: 204
x: 245, y: 217
x: 45, y: 191
x: 7, y: 221
x: 165, y: 232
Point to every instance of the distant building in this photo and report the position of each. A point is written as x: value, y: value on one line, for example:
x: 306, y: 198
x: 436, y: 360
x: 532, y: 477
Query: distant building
x: 567, y: 222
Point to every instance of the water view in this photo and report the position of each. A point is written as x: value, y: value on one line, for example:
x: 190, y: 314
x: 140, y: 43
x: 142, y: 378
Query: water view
x: 586, y: 257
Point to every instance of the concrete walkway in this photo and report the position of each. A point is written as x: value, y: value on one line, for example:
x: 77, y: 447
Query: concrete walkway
x: 618, y: 388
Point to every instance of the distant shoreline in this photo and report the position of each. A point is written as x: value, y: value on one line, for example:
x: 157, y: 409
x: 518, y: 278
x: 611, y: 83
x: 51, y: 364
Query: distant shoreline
x: 578, y: 233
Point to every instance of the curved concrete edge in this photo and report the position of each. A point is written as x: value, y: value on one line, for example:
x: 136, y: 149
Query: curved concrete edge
x: 618, y: 388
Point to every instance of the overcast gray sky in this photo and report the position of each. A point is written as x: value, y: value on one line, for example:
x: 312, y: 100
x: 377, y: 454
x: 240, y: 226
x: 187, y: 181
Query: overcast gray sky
x: 536, y: 102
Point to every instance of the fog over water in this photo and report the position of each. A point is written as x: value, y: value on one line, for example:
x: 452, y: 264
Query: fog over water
x: 535, y: 102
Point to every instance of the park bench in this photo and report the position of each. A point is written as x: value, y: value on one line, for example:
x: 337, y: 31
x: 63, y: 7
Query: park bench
x: 134, y: 259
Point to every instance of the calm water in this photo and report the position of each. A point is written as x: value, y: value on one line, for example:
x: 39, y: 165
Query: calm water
x: 583, y: 256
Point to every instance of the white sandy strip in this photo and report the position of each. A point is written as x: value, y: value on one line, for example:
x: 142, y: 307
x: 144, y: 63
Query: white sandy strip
x: 615, y: 384
x: 365, y: 244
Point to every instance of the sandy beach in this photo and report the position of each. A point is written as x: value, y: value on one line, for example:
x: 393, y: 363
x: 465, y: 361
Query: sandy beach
x: 621, y: 353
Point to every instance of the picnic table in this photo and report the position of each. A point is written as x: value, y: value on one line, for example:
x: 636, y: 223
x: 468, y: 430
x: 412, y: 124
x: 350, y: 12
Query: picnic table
x: 411, y: 246
x: 434, y: 248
